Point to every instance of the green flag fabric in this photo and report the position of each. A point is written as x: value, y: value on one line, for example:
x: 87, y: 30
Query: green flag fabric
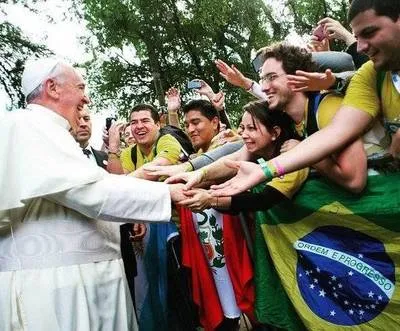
x: 329, y: 259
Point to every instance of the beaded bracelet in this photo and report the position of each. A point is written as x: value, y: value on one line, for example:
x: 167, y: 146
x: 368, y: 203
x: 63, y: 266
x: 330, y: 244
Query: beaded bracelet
x: 279, y: 169
x: 265, y: 168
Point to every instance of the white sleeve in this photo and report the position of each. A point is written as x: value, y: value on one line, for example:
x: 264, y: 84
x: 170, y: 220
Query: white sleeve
x: 119, y: 198
x: 257, y: 91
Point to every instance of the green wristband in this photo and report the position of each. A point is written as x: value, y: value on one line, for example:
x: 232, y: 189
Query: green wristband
x: 265, y: 168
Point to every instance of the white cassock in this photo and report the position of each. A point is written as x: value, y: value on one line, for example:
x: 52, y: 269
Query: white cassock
x: 60, y: 265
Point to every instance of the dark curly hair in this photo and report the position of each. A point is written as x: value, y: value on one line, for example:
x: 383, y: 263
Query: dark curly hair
x: 292, y: 57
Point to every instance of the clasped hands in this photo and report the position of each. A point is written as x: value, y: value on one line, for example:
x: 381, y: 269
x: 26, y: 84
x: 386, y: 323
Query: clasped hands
x: 186, y: 195
x: 196, y: 199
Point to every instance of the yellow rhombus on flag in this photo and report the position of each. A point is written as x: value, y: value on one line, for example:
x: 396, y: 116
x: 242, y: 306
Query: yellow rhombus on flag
x: 330, y: 260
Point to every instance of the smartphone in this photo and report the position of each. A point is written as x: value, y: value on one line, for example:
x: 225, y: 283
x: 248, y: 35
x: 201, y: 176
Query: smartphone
x: 109, y: 121
x: 194, y: 84
x: 319, y: 32
x: 257, y: 62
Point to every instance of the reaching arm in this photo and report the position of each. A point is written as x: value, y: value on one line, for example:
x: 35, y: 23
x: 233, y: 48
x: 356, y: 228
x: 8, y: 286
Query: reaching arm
x: 347, y: 168
x: 119, y: 199
x: 215, y: 154
x: 199, y: 199
x: 348, y: 124
x: 233, y: 75
x: 173, y: 106
x: 114, y: 165
x: 142, y: 173
x: 195, y: 164
x: 316, y: 81
x: 213, y: 172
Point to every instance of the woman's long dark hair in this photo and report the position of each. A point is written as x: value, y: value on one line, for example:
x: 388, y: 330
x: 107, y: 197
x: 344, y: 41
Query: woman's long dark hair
x: 269, y: 118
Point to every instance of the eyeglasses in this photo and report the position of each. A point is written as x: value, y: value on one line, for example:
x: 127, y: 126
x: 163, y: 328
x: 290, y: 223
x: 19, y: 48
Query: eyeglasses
x: 270, y: 77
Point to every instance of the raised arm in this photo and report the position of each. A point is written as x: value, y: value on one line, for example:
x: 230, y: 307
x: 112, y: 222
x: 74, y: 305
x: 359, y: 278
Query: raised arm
x: 334, y: 30
x: 233, y: 76
x: 173, y: 105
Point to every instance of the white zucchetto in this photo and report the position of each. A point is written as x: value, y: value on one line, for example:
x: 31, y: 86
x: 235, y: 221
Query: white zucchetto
x: 36, y: 72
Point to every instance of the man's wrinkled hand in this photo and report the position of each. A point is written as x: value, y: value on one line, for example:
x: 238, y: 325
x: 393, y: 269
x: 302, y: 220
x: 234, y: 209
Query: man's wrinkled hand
x: 177, y: 192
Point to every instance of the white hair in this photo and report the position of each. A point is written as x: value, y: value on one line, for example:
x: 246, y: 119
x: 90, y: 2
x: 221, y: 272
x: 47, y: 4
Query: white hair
x: 56, y: 73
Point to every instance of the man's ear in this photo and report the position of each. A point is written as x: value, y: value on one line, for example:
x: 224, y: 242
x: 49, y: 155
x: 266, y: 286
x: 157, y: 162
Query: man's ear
x: 51, y: 88
x: 276, y: 132
x: 215, y: 123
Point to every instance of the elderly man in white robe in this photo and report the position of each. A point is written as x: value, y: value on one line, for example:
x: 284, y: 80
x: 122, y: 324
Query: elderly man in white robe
x: 60, y: 264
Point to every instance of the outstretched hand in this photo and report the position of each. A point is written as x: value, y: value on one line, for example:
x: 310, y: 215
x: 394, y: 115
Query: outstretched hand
x: 248, y: 175
x: 232, y: 75
x: 173, y: 99
x: 219, y: 101
x: 161, y: 171
x: 197, y: 200
x: 311, y: 81
x: 190, y: 179
x: 177, y: 192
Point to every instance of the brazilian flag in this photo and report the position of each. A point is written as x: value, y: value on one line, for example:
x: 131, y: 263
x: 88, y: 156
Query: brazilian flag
x: 330, y: 260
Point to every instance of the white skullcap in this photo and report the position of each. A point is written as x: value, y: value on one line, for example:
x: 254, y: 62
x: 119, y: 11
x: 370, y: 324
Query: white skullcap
x: 36, y: 72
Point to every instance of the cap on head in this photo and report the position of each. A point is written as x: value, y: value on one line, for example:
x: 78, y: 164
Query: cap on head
x: 35, y: 73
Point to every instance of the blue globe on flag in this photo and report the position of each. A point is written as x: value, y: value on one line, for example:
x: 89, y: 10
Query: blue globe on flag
x: 345, y: 276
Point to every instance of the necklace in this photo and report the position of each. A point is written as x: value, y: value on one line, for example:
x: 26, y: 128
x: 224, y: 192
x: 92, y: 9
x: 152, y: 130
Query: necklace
x: 301, y: 128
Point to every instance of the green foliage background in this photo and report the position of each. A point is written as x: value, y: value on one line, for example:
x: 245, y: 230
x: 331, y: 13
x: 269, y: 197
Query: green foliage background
x: 142, y: 47
x: 176, y: 41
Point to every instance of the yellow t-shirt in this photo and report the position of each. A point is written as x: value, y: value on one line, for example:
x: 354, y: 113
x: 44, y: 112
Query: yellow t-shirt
x: 376, y: 140
x: 167, y: 147
x: 290, y: 183
x: 362, y: 94
x: 327, y: 108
